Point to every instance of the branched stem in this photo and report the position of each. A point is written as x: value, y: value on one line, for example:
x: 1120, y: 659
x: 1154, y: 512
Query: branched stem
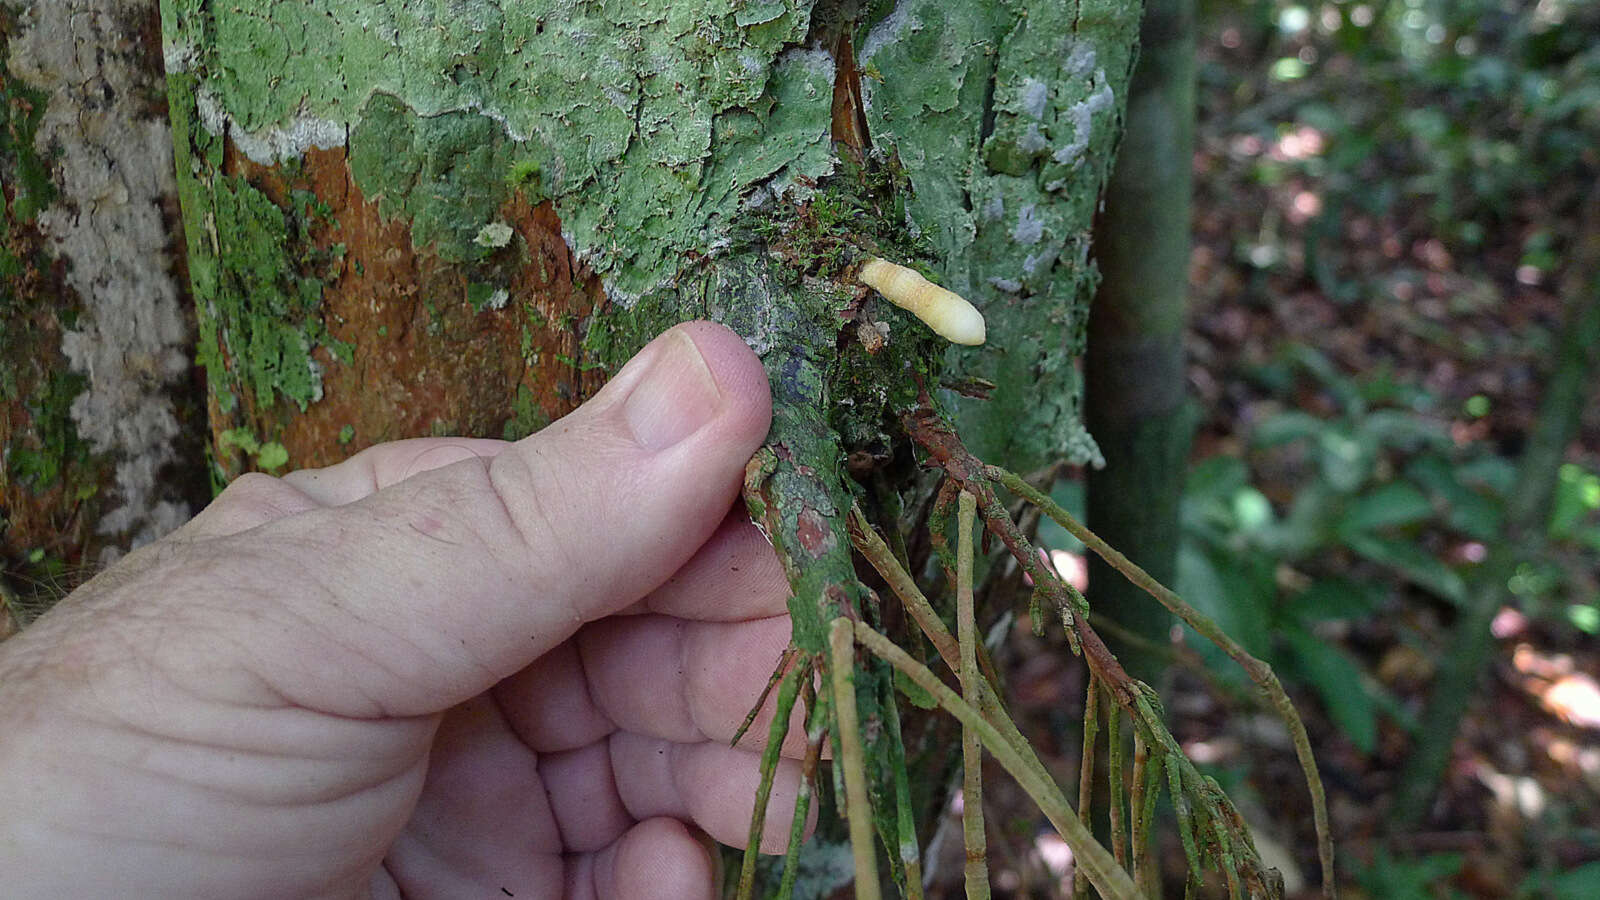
x: 921, y: 611
x: 777, y: 675
x: 1118, y: 799
x: 1091, y: 731
x: 878, y: 554
x: 788, y: 690
x: 1259, y: 671
x: 1095, y: 860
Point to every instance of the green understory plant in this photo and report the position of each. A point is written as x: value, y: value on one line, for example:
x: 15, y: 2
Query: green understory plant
x: 1212, y: 833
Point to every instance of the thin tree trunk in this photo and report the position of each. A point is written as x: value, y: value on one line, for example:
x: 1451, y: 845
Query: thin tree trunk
x: 1135, y: 394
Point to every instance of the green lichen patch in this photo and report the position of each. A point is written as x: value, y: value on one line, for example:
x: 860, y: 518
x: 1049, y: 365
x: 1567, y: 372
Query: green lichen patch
x: 42, y: 448
x: 51, y: 447
x: 526, y: 416
x: 264, y: 311
x: 647, y: 122
x: 444, y: 174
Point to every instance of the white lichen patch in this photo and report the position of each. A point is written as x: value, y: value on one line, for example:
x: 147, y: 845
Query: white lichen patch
x: 1029, y: 228
x: 113, y: 172
x: 888, y: 31
x: 1035, y: 97
x: 1080, y: 116
x: 270, y: 146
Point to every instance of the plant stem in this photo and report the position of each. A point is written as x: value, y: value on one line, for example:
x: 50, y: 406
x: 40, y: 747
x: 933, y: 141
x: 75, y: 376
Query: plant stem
x: 788, y: 689
x: 878, y: 554
x: 977, y: 864
x: 858, y: 807
x: 1118, y: 801
x: 921, y: 611
x: 1141, y: 806
x: 910, y: 854
x: 1094, y: 860
x: 1091, y: 731
x: 777, y: 675
x: 1259, y: 672
x: 816, y: 734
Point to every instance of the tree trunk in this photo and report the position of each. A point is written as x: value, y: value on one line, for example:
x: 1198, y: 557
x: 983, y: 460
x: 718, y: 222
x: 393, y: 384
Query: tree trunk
x: 458, y: 216
x: 98, y: 414
x: 1134, y: 368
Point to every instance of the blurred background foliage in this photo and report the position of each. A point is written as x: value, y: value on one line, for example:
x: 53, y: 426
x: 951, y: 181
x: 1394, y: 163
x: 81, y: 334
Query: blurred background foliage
x: 1391, y: 201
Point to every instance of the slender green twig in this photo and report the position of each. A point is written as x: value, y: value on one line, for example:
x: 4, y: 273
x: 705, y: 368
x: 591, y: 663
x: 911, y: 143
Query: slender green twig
x: 816, y: 734
x: 777, y: 675
x: 867, y: 542
x: 977, y: 864
x: 788, y: 690
x: 1185, y: 814
x: 1259, y: 671
x: 1094, y: 860
x: 906, y: 817
x: 1142, y: 808
x: 1091, y: 731
x: 939, y: 525
x: 1118, y: 799
x: 858, y: 808
x: 876, y: 552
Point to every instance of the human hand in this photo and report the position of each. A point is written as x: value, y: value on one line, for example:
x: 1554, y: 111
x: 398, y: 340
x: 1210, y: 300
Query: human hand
x: 443, y: 668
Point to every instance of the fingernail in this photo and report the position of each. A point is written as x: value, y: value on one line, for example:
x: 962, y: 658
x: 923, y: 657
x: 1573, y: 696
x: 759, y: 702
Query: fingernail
x: 676, y: 396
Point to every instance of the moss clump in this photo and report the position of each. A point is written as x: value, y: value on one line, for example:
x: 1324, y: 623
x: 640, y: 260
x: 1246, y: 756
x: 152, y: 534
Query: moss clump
x: 527, y: 416
x: 884, y: 356
x: 40, y: 459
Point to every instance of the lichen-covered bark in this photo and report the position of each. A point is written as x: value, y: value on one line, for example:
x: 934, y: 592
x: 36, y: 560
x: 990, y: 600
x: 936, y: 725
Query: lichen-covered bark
x: 96, y: 406
x: 1005, y: 115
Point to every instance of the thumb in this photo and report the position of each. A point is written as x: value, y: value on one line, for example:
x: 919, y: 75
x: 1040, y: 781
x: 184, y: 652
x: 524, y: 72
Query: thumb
x: 430, y: 590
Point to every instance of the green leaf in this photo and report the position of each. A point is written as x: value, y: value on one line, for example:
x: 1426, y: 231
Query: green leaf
x: 1235, y: 591
x: 1467, y: 509
x: 1308, y: 525
x: 1347, y: 458
x: 1216, y: 476
x: 1286, y: 426
x: 1404, y: 430
x: 1340, y: 683
x: 1335, y: 598
x: 1388, y: 505
x: 1405, y: 879
x: 1577, y: 496
x: 1411, y: 561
